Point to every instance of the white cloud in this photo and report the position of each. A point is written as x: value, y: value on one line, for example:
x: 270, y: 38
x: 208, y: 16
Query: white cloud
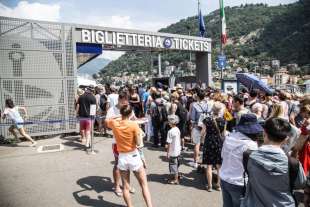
x: 125, y: 22
x: 37, y: 11
x: 111, y: 55
x: 116, y: 21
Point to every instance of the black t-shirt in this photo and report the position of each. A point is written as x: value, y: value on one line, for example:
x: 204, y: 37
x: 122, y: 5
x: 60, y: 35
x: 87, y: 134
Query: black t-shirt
x: 84, y: 102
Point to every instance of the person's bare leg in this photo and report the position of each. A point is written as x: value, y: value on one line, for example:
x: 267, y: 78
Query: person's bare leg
x: 87, y: 134
x: 141, y: 177
x: 176, y: 177
x: 218, y: 181
x: 183, y: 143
x: 116, y: 176
x: 23, y: 133
x: 209, y: 176
x: 83, y: 139
x: 126, y: 187
x: 196, y: 153
x: 12, y: 130
x: 104, y: 126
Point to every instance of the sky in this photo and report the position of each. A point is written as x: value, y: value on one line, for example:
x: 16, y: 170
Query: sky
x: 149, y: 15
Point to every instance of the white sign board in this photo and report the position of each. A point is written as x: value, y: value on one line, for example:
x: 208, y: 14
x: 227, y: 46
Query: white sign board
x: 92, y: 110
x: 231, y: 87
x: 155, y: 40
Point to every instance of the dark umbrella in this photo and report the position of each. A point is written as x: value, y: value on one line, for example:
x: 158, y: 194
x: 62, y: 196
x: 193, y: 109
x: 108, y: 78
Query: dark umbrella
x: 252, y: 82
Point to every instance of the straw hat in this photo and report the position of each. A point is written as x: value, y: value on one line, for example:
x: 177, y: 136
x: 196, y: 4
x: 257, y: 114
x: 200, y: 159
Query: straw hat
x: 179, y: 86
x: 173, y: 119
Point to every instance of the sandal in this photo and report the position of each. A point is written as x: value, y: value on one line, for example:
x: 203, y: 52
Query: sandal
x: 118, y: 193
x: 217, y: 188
x: 132, y: 190
x: 173, y: 182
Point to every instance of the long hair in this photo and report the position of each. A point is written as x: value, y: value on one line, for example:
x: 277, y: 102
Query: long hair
x: 277, y: 111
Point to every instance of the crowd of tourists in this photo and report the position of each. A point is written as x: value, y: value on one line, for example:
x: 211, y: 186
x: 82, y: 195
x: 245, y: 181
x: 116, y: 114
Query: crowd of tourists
x: 256, y: 143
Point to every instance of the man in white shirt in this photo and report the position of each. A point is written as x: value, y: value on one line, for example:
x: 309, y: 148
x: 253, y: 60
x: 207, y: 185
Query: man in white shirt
x: 101, y: 107
x: 112, y: 98
x: 231, y: 172
x: 238, y: 107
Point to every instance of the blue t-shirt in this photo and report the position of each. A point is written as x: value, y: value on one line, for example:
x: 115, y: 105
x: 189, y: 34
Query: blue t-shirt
x: 145, y: 97
x: 197, y: 109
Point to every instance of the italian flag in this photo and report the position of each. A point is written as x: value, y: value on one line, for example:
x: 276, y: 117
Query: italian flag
x: 222, y: 13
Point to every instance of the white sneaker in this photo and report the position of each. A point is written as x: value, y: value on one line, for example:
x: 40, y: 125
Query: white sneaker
x: 193, y: 164
x: 33, y: 144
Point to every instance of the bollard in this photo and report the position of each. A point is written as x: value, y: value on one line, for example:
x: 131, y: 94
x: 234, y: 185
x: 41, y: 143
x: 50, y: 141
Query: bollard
x: 92, y: 118
x: 92, y: 136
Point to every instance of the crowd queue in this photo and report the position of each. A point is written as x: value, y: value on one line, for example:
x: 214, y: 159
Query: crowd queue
x: 257, y: 143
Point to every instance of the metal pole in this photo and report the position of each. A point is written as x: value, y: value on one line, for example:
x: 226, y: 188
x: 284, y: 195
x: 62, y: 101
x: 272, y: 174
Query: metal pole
x: 31, y: 25
x: 190, y: 53
x: 222, y: 53
x: 92, y: 151
x: 159, y: 65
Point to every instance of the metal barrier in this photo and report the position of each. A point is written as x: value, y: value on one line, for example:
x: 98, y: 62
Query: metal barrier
x: 37, y: 71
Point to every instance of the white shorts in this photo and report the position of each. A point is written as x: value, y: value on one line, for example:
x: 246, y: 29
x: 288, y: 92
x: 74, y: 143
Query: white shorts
x: 196, y: 135
x: 129, y: 161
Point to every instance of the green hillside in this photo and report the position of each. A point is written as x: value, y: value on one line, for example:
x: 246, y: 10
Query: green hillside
x: 256, y: 31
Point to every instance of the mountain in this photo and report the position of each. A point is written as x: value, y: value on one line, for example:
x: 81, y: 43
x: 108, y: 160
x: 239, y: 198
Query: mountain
x: 257, y: 31
x: 94, y: 66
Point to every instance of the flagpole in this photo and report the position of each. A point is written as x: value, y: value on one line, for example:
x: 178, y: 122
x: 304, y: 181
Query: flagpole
x: 198, y: 8
x: 222, y: 47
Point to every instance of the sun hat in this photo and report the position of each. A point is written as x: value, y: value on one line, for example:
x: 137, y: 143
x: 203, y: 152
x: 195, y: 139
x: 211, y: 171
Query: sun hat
x: 179, y: 86
x: 166, y: 97
x: 180, y: 91
x: 249, y: 124
x: 173, y: 119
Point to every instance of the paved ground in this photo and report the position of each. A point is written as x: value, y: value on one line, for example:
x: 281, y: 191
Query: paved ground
x: 74, y: 178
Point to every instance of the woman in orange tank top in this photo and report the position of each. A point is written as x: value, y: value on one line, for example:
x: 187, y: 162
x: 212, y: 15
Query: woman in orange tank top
x: 126, y: 134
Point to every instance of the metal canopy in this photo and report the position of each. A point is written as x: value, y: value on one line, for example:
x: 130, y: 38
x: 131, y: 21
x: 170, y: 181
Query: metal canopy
x: 39, y: 62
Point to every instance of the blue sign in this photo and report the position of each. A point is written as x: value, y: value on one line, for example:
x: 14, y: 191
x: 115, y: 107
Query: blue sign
x: 221, y: 59
x: 89, y: 48
x: 167, y: 42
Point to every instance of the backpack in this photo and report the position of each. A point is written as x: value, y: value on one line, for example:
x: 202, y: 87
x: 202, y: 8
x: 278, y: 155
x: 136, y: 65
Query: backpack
x: 103, y: 102
x: 159, y: 114
x: 205, y: 114
x: 181, y: 112
x: 293, y: 169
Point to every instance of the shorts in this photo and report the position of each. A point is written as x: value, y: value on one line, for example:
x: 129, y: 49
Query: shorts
x: 115, y: 151
x: 17, y: 126
x: 196, y: 135
x: 182, y: 127
x: 174, y: 164
x: 130, y: 161
x: 100, y: 117
x: 85, y: 124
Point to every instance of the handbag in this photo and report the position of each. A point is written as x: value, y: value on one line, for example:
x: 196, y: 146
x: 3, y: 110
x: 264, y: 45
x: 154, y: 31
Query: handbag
x: 222, y: 135
x: 228, y: 116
